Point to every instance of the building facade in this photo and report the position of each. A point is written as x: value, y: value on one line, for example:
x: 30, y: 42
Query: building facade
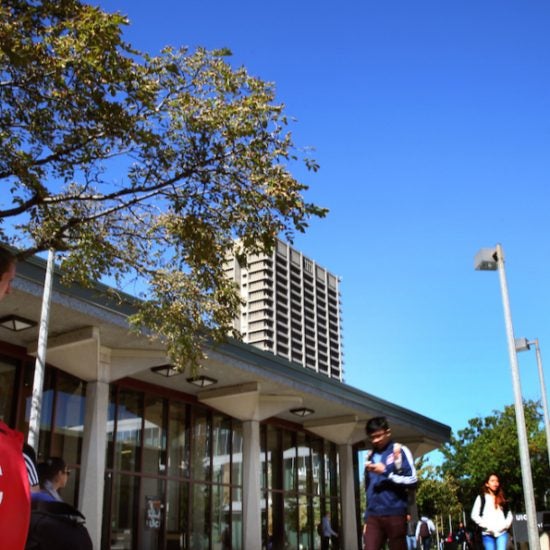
x: 292, y: 308
x: 251, y: 461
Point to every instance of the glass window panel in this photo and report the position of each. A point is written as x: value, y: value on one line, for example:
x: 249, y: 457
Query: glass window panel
x: 201, y: 446
x: 237, y: 454
x: 123, y: 519
x: 221, y: 517
x: 305, y: 522
x: 177, y: 507
x: 151, y: 514
x: 317, y: 466
x: 44, y: 439
x: 70, y: 402
x: 26, y: 391
x: 327, y: 473
x: 221, y: 449
x: 178, y: 447
x: 7, y: 390
x: 302, y: 462
x: 274, y: 458
x: 154, y: 436
x: 266, y: 519
x: 128, y: 431
x: 276, y: 519
x: 237, y: 520
x: 316, y: 511
x: 291, y: 521
x: 289, y: 462
x: 199, y: 538
x: 111, y: 426
x: 334, y: 508
x: 333, y: 471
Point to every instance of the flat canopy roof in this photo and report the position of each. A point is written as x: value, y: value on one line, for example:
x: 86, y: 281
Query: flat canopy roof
x: 86, y: 323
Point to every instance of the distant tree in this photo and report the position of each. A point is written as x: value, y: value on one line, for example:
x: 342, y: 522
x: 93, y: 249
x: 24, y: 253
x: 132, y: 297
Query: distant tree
x: 435, y: 495
x: 490, y: 444
x: 141, y: 168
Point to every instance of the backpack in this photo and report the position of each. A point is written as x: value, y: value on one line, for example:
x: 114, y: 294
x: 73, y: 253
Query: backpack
x: 57, y: 525
x: 424, y: 530
x: 320, y: 529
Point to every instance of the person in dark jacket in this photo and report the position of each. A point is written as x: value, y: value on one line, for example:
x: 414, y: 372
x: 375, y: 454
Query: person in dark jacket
x: 54, y: 523
x: 389, y: 471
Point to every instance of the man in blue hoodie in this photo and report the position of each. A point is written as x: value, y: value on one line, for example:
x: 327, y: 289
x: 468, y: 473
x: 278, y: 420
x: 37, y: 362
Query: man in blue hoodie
x: 389, y: 472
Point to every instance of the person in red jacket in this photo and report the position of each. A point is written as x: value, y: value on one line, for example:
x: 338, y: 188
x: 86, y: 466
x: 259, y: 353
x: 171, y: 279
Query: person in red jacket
x: 15, y: 499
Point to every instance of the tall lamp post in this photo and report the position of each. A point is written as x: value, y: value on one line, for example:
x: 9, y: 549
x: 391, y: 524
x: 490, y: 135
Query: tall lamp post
x: 40, y: 364
x: 522, y: 344
x: 492, y: 259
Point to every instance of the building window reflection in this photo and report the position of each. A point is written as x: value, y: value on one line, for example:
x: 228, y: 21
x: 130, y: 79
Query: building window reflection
x: 299, y: 485
x: 174, y: 476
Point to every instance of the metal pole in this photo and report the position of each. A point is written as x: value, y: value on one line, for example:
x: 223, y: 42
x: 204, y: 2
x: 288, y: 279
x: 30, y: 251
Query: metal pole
x: 543, y: 397
x: 40, y: 364
x: 527, y: 479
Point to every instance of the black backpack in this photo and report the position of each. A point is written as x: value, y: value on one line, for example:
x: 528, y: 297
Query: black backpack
x: 424, y: 530
x: 57, y: 525
x: 320, y: 529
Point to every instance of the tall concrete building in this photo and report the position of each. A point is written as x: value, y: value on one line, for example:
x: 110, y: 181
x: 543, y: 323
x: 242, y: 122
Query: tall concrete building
x: 292, y: 308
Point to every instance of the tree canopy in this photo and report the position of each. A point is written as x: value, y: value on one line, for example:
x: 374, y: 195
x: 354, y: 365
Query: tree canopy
x: 487, y: 444
x: 141, y: 167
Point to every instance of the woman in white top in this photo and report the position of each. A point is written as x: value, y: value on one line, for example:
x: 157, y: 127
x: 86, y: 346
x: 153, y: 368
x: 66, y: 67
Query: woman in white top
x: 491, y: 513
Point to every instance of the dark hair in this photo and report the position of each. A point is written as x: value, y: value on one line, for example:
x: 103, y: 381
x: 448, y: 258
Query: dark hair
x: 376, y: 424
x: 6, y: 259
x: 500, y: 499
x: 48, y: 469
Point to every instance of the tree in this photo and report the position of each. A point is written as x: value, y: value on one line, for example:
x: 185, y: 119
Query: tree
x: 435, y: 495
x: 140, y: 168
x: 490, y: 444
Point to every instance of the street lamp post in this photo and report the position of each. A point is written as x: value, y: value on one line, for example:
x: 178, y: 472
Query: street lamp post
x: 40, y: 364
x: 522, y: 344
x: 492, y: 259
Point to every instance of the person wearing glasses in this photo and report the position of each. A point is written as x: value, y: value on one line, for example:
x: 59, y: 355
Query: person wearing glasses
x: 389, y: 472
x: 55, y: 523
x: 53, y: 474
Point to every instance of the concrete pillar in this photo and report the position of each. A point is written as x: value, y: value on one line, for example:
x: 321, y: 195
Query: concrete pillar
x: 252, y: 530
x: 348, y: 529
x: 92, y: 474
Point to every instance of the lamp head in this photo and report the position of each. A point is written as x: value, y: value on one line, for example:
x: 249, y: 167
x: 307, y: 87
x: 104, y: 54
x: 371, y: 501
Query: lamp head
x: 486, y: 260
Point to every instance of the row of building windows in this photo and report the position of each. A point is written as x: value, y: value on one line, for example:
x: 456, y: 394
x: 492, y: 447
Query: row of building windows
x: 174, y: 472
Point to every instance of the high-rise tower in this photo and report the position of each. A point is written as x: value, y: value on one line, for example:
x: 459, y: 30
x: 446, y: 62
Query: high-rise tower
x: 292, y: 308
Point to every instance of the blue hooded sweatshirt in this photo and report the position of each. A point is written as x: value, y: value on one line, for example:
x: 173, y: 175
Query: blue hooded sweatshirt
x: 387, y: 492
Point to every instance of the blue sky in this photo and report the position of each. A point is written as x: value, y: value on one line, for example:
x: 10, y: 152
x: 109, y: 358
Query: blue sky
x: 431, y: 123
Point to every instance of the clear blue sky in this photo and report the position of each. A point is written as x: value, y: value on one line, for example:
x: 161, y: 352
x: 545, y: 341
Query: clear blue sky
x: 431, y: 123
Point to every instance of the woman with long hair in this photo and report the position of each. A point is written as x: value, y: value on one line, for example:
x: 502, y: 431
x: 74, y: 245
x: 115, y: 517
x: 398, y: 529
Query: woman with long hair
x: 491, y: 513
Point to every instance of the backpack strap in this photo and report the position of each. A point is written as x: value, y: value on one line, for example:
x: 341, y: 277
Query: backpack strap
x: 482, y: 505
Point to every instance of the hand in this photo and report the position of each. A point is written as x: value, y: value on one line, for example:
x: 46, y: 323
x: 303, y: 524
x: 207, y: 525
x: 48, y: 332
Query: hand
x: 378, y: 468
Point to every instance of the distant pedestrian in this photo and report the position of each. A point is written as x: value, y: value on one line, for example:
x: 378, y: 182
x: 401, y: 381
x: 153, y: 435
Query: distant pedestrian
x: 461, y: 537
x: 411, y: 533
x: 492, y: 515
x: 424, y: 531
x: 389, y: 471
x: 326, y: 532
